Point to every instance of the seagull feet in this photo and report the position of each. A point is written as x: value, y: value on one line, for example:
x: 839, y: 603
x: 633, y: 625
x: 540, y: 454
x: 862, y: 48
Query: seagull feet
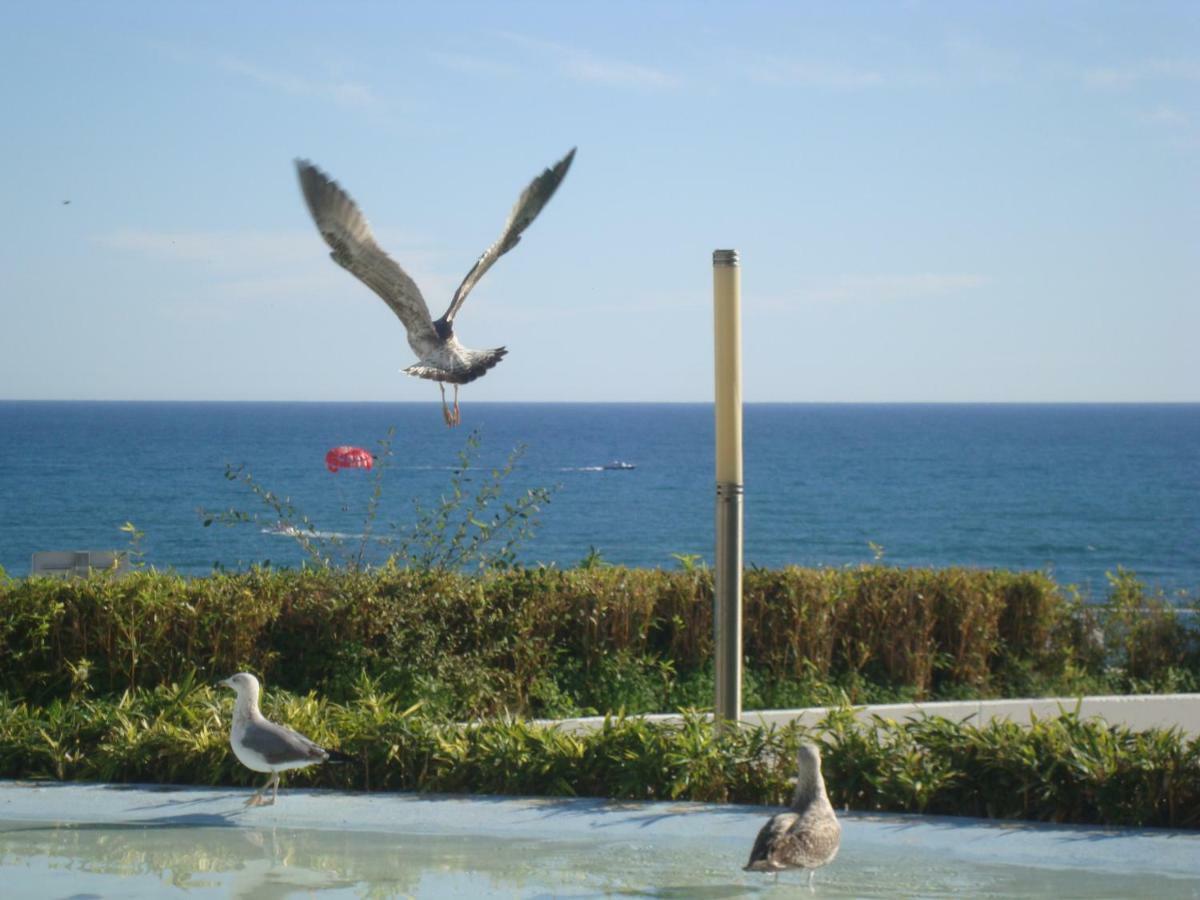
x: 450, y: 416
x: 260, y: 800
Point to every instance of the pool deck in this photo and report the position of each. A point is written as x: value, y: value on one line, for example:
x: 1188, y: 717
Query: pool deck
x: 1123, y: 851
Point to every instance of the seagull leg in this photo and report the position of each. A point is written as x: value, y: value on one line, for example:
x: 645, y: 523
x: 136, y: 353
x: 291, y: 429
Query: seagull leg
x: 445, y: 409
x: 259, y: 796
x: 457, y: 414
x: 275, y: 795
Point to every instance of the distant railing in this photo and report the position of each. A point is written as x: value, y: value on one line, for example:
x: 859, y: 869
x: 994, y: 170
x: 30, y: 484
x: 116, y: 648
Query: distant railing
x: 78, y: 563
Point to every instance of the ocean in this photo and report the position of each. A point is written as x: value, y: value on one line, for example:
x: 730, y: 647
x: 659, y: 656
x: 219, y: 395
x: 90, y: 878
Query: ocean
x: 1074, y: 490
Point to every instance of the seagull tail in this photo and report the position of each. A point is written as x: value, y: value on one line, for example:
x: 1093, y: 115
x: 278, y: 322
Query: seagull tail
x: 337, y: 756
x: 461, y: 368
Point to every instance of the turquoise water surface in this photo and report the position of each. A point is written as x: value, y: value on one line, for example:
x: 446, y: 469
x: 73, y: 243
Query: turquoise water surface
x: 107, y: 841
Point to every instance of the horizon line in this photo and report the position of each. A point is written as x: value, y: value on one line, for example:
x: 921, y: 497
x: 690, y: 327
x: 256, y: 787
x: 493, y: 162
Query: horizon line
x: 633, y: 402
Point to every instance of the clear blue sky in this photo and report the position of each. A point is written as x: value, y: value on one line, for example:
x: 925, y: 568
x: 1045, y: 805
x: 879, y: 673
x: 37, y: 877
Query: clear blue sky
x: 933, y: 201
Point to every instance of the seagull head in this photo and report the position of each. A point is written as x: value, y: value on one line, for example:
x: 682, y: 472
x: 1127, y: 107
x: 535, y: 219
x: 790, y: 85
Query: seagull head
x: 245, y: 684
x: 809, y: 783
x: 809, y: 755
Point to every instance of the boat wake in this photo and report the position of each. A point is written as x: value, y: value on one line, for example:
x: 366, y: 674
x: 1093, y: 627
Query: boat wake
x: 293, y: 531
x: 616, y: 465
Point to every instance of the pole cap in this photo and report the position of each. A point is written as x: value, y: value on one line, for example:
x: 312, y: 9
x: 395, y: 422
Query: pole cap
x: 727, y: 258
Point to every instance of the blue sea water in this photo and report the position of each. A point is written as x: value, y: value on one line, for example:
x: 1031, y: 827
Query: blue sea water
x: 1076, y: 490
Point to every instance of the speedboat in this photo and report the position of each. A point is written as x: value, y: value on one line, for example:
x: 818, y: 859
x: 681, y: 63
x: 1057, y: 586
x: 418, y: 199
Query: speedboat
x: 619, y: 464
x: 282, y: 528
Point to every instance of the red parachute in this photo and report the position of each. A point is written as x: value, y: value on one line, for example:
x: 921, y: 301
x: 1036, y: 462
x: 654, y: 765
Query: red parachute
x: 348, y: 458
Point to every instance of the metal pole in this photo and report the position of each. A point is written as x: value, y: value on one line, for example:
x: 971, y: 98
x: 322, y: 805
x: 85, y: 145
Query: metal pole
x: 727, y: 582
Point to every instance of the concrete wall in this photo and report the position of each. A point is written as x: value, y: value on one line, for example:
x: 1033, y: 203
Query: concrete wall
x: 1138, y: 712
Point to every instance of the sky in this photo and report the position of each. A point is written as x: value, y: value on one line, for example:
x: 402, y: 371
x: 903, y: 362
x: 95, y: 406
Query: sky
x: 939, y: 202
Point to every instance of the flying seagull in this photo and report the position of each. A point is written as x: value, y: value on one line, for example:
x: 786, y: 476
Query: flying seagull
x: 807, y: 836
x: 440, y: 357
x: 266, y: 747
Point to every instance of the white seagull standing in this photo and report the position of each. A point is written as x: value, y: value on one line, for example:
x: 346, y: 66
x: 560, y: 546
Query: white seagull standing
x: 806, y: 837
x: 440, y: 357
x: 266, y: 747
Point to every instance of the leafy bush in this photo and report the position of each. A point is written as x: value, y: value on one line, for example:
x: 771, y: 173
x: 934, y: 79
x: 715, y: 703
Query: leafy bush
x: 1063, y: 769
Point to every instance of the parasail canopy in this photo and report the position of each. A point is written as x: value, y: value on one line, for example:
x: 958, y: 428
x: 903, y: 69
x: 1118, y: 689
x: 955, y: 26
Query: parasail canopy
x: 348, y: 458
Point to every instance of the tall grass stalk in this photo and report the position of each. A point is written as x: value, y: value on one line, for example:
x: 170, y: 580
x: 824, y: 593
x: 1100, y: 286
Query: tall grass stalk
x: 464, y: 530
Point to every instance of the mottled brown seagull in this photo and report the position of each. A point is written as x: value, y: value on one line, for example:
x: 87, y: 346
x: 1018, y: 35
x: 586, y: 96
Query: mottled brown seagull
x: 440, y: 357
x: 263, y: 746
x: 808, y: 835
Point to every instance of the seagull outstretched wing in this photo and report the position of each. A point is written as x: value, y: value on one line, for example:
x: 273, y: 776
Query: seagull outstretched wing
x: 346, y: 231
x: 526, y: 209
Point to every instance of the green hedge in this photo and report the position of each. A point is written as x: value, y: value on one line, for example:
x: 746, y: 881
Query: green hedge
x: 1060, y: 770
x: 531, y: 641
x: 549, y: 642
